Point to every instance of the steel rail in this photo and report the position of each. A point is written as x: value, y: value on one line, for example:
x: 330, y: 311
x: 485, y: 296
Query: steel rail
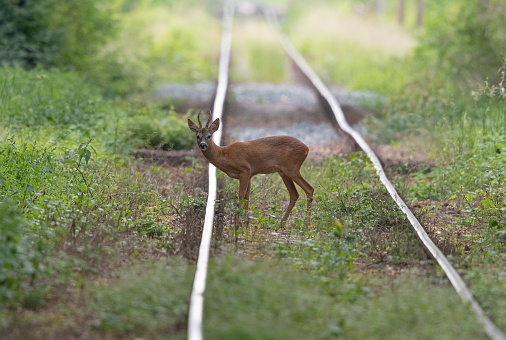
x: 195, y: 316
x: 492, y: 331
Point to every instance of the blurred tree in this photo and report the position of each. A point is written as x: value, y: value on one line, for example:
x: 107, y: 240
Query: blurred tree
x: 64, y: 33
x: 465, y: 41
x: 401, y: 11
x: 24, y: 37
x: 419, y: 13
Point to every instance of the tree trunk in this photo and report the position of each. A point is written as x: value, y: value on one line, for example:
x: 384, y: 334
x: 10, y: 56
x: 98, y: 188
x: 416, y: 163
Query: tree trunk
x: 419, y: 13
x: 400, y: 12
x: 380, y: 7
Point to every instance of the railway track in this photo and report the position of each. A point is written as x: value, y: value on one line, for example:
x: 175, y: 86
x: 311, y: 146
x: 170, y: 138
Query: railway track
x: 195, y: 320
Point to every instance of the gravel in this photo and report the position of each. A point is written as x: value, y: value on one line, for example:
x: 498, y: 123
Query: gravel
x: 198, y: 92
x: 298, y: 95
x: 263, y: 93
x: 266, y: 109
x: 308, y: 133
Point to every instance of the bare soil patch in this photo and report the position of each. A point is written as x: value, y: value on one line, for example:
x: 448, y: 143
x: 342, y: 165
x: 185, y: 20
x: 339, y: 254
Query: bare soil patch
x: 440, y: 220
x: 391, y: 157
x: 169, y: 158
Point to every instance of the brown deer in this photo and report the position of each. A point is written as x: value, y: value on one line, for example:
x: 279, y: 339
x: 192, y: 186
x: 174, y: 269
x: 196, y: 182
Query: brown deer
x: 243, y: 160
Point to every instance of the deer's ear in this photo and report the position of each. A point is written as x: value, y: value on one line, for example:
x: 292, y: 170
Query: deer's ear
x: 192, y: 126
x: 214, y: 126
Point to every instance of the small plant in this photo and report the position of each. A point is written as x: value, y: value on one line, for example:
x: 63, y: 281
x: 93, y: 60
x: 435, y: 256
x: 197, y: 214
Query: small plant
x: 150, y: 228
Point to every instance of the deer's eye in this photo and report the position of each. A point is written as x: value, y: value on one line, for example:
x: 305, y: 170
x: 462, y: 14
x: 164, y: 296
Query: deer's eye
x: 198, y: 137
x: 208, y: 137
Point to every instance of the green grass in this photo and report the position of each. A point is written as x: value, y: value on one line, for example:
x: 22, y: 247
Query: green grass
x: 24, y: 256
x: 311, y: 288
x: 44, y: 106
x: 145, y: 300
x: 62, y: 108
x: 165, y: 42
x: 353, y: 217
x: 356, y: 52
x: 264, y: 300
x: 64, y: 165
x: 488, y: 286
x: 257, y: 54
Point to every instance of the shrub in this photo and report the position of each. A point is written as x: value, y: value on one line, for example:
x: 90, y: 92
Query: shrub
x: 157, y: 129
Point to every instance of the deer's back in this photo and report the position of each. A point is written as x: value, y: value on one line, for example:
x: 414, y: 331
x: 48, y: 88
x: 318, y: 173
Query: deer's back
x: 270, y: 154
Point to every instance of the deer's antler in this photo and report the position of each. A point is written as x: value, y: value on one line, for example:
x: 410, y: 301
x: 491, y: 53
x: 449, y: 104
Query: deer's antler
x: 209, y: 118
x: 198, y: 118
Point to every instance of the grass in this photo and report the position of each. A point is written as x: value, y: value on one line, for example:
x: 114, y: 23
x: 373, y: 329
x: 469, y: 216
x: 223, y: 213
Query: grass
x: 158, y: 44
x: 353, y: 216
x: 346, y: 49
x: 61, y: 107
x: 363, y: 60
x: 258, y: 301
x: 117, y: 220
x: 158, y: 300
x: 64, y: 166
x: 258, y: 56
x: 366, y: 32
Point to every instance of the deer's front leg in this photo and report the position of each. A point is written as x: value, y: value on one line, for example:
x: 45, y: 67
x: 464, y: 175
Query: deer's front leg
x: 244, y: 190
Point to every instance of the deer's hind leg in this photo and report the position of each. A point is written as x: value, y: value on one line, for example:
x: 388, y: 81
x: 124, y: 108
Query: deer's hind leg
x: 308, y: 189
x: 294, y: 195
x: 246, y: 201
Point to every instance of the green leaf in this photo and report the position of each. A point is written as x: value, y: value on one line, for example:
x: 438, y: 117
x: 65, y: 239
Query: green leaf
x: 70, y: 158
x: 83, y: 187
x: 470, y: 196
x: 493, y: 223
x: 487, y: 203
x: 501, y: 234
x: 86, y: 155
x: 92, y: 148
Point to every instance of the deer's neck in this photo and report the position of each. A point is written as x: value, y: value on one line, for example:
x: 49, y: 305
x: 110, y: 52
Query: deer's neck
x: 214, y: 154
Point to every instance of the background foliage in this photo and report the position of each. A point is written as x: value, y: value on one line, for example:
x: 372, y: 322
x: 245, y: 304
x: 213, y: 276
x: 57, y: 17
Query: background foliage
x: 468, y: 47
x: 53, y: 32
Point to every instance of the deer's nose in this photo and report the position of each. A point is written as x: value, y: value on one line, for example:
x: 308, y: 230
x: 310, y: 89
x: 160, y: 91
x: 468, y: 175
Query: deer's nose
x: 203, y: 146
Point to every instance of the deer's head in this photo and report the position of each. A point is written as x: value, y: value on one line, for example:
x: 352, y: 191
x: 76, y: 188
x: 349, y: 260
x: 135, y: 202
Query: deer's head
x: 204, y: 134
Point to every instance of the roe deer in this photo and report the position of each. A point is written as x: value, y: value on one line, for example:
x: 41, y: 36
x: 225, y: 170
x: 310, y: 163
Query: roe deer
x: 243, y: 160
